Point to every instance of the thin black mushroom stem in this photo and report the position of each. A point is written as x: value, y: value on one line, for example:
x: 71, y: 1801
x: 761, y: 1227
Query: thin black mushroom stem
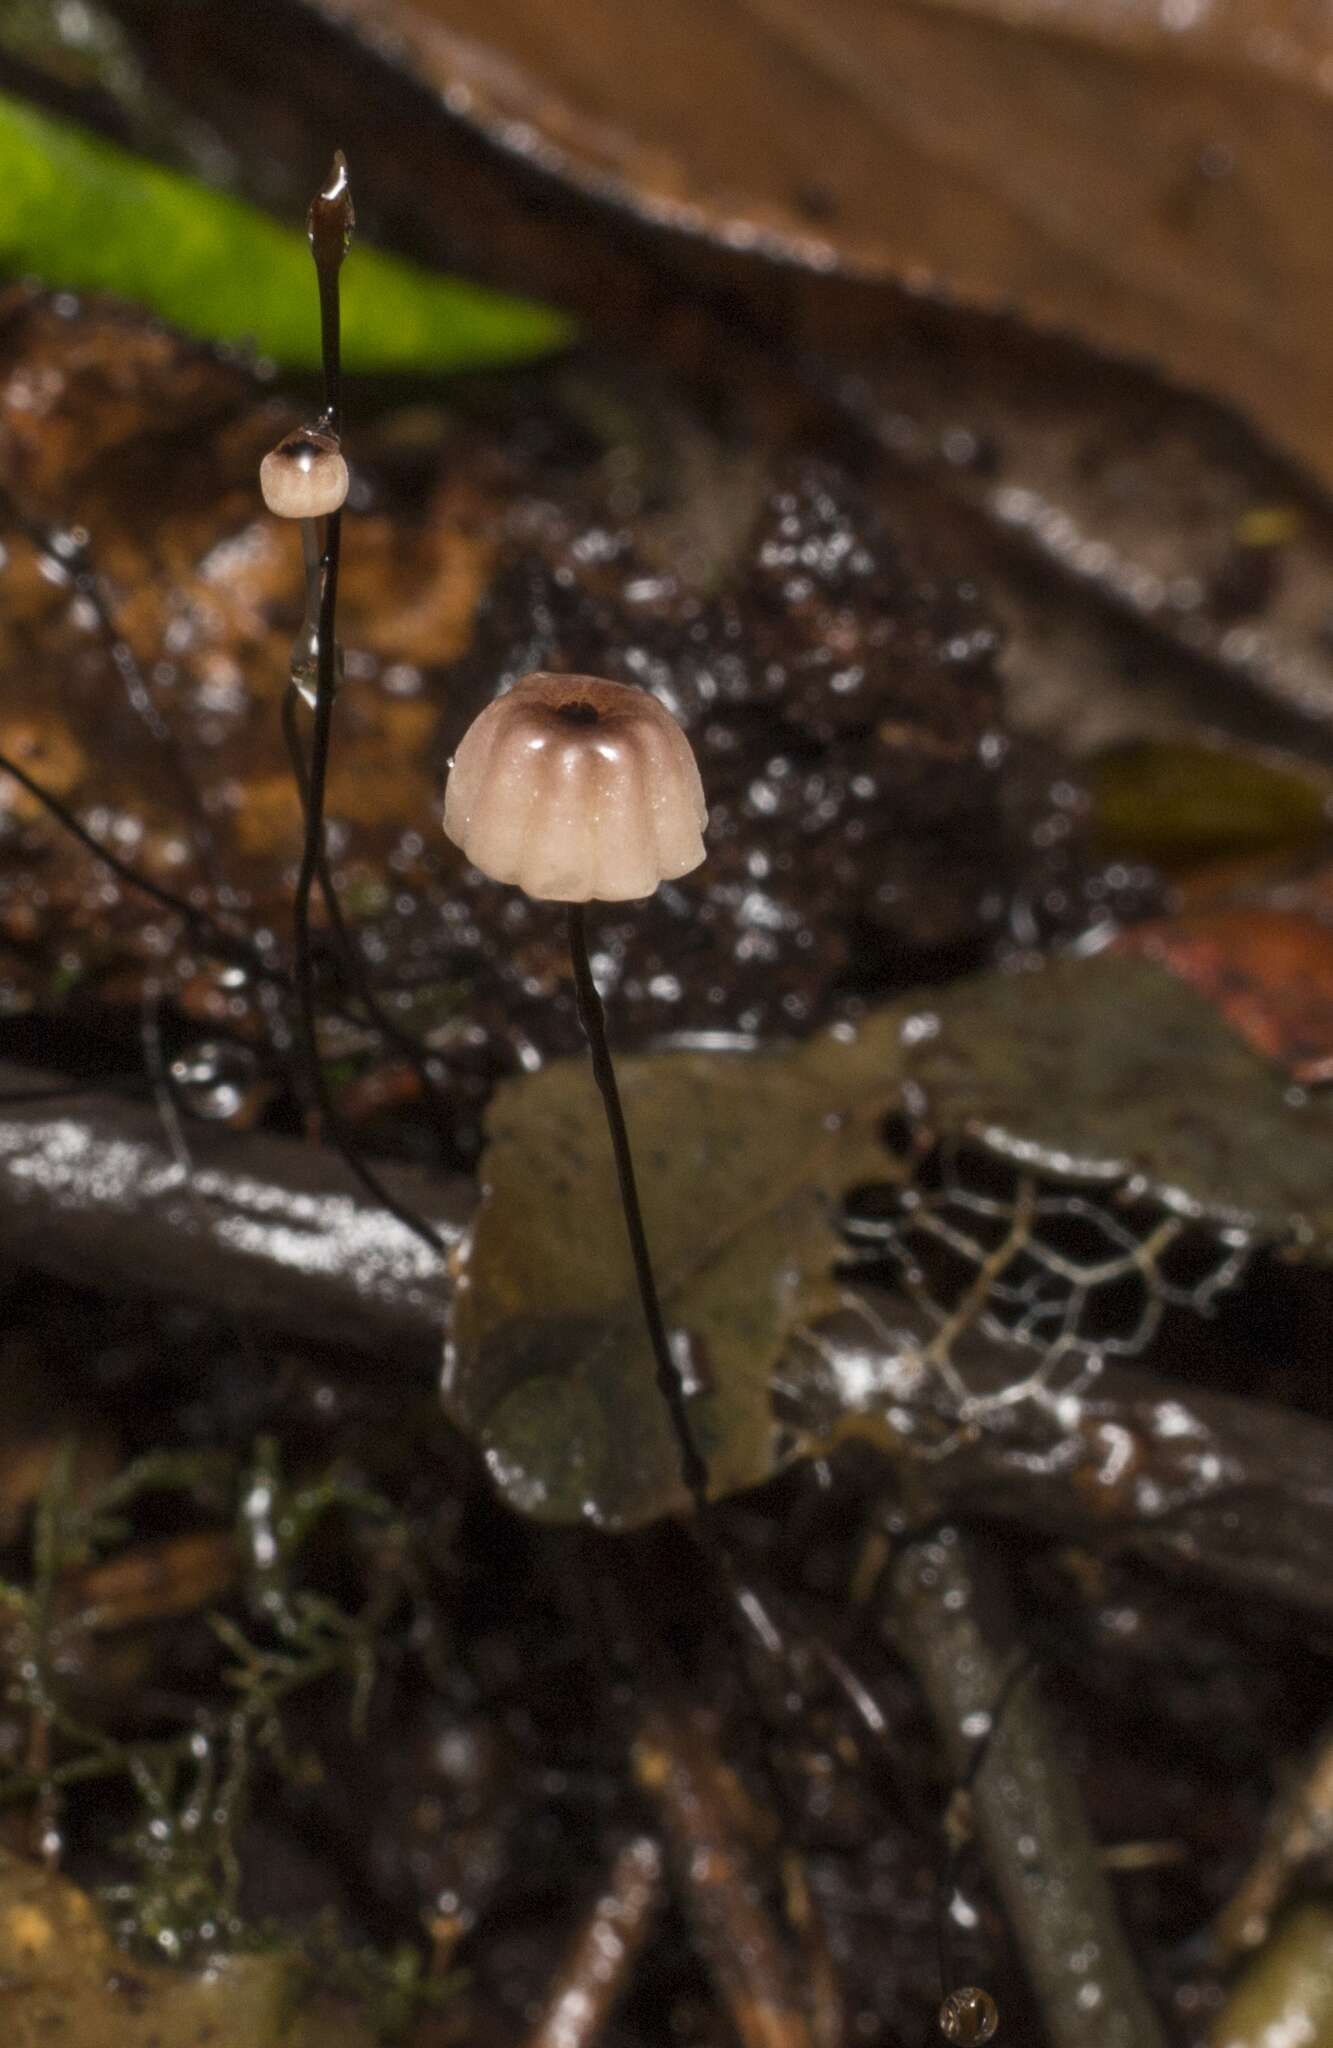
x: 579, y: 790
x: 670, y: 1386
x: 305, y: 478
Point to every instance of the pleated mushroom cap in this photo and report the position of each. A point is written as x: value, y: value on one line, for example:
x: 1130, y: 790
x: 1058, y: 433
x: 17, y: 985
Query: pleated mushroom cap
x: 577, y: 791
x: 305, y: 476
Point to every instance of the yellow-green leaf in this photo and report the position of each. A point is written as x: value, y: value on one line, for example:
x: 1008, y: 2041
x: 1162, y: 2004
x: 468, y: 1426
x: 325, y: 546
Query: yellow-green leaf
x: 79, y: 212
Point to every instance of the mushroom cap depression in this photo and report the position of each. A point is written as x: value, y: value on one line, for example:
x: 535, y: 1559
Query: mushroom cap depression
x: 305, y: 476
x: 578, y: 791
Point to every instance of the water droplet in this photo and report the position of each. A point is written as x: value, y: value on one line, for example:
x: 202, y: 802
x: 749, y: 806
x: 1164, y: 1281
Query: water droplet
x: 304, y: 670
x: 969, y: 2014
x: 213, y: 1078
x: 305, y: 664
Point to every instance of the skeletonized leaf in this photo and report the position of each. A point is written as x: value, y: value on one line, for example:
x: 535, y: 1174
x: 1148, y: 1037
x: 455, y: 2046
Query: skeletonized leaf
x: 1102, y: 1071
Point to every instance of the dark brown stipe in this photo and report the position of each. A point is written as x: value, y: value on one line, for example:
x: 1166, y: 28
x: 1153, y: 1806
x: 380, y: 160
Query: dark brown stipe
x: 670, y: 1383
x: 228, y: 945
x: 349, y: 952
x: 330, y: 227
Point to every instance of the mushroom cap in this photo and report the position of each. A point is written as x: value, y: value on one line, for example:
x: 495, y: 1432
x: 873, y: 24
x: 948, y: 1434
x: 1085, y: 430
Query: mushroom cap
x: 305, y: 476
x: 578, y: 790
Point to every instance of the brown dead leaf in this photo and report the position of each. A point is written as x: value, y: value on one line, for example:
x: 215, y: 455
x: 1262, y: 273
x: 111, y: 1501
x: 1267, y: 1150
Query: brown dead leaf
x: 670, y: 204
x: 837, y: 673
x: 1151, y: 180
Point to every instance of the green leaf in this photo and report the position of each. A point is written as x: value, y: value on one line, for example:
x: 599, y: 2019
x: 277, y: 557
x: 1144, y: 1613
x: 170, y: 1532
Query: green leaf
x: 79, y: 212
x: 1179, y: 802
x: 1102, y: 1072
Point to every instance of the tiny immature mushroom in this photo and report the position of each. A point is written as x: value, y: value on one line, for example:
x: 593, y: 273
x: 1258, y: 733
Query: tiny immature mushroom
x: 305, y: 476
x: 580, y: 790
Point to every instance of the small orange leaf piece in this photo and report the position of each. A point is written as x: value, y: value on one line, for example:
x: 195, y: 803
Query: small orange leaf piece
x: 1269, y: 973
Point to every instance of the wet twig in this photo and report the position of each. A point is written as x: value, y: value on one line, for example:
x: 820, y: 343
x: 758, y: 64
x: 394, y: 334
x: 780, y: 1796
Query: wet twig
x: 718, y: 1871
x: 93, y: 1193
x: 1300, y: 1827
x: 600, y: 1961
x: 950, y: 1616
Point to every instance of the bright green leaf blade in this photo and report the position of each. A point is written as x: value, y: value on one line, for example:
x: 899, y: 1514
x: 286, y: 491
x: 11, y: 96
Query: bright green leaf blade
x: 78, y: 212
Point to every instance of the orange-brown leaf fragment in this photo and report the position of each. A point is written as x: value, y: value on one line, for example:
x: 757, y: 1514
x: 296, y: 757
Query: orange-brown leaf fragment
x: 1269, y: 973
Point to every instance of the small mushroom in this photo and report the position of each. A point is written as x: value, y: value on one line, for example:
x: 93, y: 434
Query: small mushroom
x: 580, y: 790
x: 305, y: 476
x: 577, y: 790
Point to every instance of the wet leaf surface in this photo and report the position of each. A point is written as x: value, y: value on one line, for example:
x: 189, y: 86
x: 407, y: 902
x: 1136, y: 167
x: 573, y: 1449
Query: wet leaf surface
x: 1269, y: 973
x: 1131, y: 495
x: 738, y: 1159
x: 1182, y: 805
x: 1287, y: 1988
x: 1116, y: 1071
x: 871, y: 816
x: 1125, y: 486
x: 977, y: 148
x: 1102, y: 1073
x: 804, y: 484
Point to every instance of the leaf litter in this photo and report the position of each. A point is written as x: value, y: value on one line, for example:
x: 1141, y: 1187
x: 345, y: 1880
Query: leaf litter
x: 987, y: 1096
x: 1099, y: 1075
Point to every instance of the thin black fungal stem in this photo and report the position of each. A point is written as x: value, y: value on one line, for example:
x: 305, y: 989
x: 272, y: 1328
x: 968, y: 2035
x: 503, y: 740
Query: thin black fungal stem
x: 70, y: 552
x: 348, y: 950
x: 330, y: 224
x: 228, y: 945
x: 331, y: 221
x: 670, y: 1383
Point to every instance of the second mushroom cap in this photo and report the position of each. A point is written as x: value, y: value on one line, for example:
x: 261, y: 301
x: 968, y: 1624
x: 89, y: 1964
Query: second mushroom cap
x: 305, y: 476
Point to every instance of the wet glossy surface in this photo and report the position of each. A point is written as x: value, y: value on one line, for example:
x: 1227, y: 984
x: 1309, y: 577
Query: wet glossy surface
x: 100, y: 1191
